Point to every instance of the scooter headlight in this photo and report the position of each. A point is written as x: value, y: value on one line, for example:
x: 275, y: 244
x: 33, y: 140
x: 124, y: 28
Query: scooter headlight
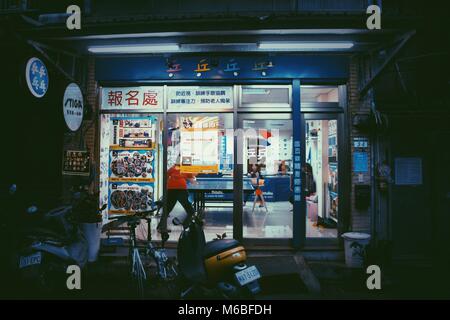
x: 32, y: 210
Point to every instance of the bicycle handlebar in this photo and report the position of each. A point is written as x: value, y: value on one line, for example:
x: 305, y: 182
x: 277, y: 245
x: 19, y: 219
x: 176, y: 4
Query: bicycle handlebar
x: 137, y: 216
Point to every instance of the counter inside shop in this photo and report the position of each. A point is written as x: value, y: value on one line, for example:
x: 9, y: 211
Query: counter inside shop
x: 276, y: 188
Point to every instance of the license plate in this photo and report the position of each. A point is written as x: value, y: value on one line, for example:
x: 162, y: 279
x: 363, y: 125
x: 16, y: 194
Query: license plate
x: 247, y: 275
x: 30, y: 260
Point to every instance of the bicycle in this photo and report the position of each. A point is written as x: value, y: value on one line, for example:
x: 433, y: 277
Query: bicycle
x: 166, y: 267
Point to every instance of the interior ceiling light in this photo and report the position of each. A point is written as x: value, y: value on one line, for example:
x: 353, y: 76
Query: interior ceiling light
x: 224, y: 44
x: 135, y: 48
x: 302, y: 46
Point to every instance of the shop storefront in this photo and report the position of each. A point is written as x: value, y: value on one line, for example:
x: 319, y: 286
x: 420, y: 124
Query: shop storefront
x: 261, y: 142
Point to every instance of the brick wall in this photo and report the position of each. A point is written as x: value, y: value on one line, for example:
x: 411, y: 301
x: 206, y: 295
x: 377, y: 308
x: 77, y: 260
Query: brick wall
x: 360, y: 220
x: 86, y: 136
x: 90, y: 126
x: 91, y: 98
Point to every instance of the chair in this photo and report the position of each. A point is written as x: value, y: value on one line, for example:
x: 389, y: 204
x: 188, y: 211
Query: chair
x: 258, y: 183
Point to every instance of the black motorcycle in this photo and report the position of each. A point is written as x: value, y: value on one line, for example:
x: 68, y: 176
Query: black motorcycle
x: 48, y: 244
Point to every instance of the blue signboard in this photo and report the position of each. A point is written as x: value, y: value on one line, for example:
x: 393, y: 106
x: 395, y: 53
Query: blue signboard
x: 36, y: 75
x: 222, y: 68
x: 360, y: 160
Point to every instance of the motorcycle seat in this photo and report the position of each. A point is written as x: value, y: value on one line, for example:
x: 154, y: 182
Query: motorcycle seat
x: 44, y: 235
x: 215, y: 247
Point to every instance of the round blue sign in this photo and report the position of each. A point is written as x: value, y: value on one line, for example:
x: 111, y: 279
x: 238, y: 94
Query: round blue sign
x: 37, y: 77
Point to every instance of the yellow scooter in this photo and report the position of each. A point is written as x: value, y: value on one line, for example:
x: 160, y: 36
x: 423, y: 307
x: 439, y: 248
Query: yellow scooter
x: 218, y: 265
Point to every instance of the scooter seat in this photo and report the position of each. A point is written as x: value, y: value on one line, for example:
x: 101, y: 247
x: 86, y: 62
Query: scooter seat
x: 43, y: 234
x: 215, y: 247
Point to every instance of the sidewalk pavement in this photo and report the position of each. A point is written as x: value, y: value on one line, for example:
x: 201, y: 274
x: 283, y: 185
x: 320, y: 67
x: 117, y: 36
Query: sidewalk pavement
x: 285, y: 275
x: 289, y: 276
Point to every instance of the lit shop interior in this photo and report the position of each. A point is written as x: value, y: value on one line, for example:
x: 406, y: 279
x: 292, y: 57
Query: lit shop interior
x: 204, y: 141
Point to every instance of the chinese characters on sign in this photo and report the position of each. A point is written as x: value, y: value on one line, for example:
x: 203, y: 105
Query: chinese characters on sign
x: 297, y: 172
x: 232, y: 66
x: 360, y: 142
x: 203, y: 66
x: 73, y: 106
x: 37, y: 77
x: 202, y: 97
x: 173, y: 66
x: 76, y: 163
x: 132, y: 98
x: 262, y: 65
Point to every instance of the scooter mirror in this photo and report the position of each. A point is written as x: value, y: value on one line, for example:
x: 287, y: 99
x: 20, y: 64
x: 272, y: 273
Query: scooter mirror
x: 12, y: 189
x: 103, y: 207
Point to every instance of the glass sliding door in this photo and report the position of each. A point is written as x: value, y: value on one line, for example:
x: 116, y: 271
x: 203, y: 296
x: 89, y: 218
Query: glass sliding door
x: 265, y: 144
x: 321, y: 175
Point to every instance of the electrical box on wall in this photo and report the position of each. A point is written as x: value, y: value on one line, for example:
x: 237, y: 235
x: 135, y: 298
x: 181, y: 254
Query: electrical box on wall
x: 362, y: 196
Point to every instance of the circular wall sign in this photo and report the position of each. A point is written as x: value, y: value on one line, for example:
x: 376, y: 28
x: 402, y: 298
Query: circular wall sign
x: 37, y: 77
x: 73, y: 106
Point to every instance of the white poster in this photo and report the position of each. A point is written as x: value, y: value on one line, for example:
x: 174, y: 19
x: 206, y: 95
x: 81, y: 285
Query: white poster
x: 199, y: 145
x: 200, y: 97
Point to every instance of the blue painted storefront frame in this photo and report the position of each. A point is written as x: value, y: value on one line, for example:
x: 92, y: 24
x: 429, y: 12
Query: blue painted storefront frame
x: 299, y: 220
x: 288, y: 69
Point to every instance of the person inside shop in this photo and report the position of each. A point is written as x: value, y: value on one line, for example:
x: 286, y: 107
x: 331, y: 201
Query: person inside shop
x: 257, y: 178
x: 177, y: 192
x: 282, y: 168
x: 310, y: 183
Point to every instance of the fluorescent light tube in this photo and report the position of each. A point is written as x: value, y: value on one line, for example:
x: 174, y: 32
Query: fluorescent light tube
x: 135, y: 48
x: 304, y: 45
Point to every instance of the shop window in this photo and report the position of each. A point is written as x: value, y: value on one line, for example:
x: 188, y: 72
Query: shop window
x: 319, y: 94
x: 130, y: 163
x: 199, y: 168
x: 265, y: 96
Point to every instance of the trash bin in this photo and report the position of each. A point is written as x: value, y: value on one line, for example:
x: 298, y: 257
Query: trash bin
x: 355, y: 244
x: 92, y: 233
